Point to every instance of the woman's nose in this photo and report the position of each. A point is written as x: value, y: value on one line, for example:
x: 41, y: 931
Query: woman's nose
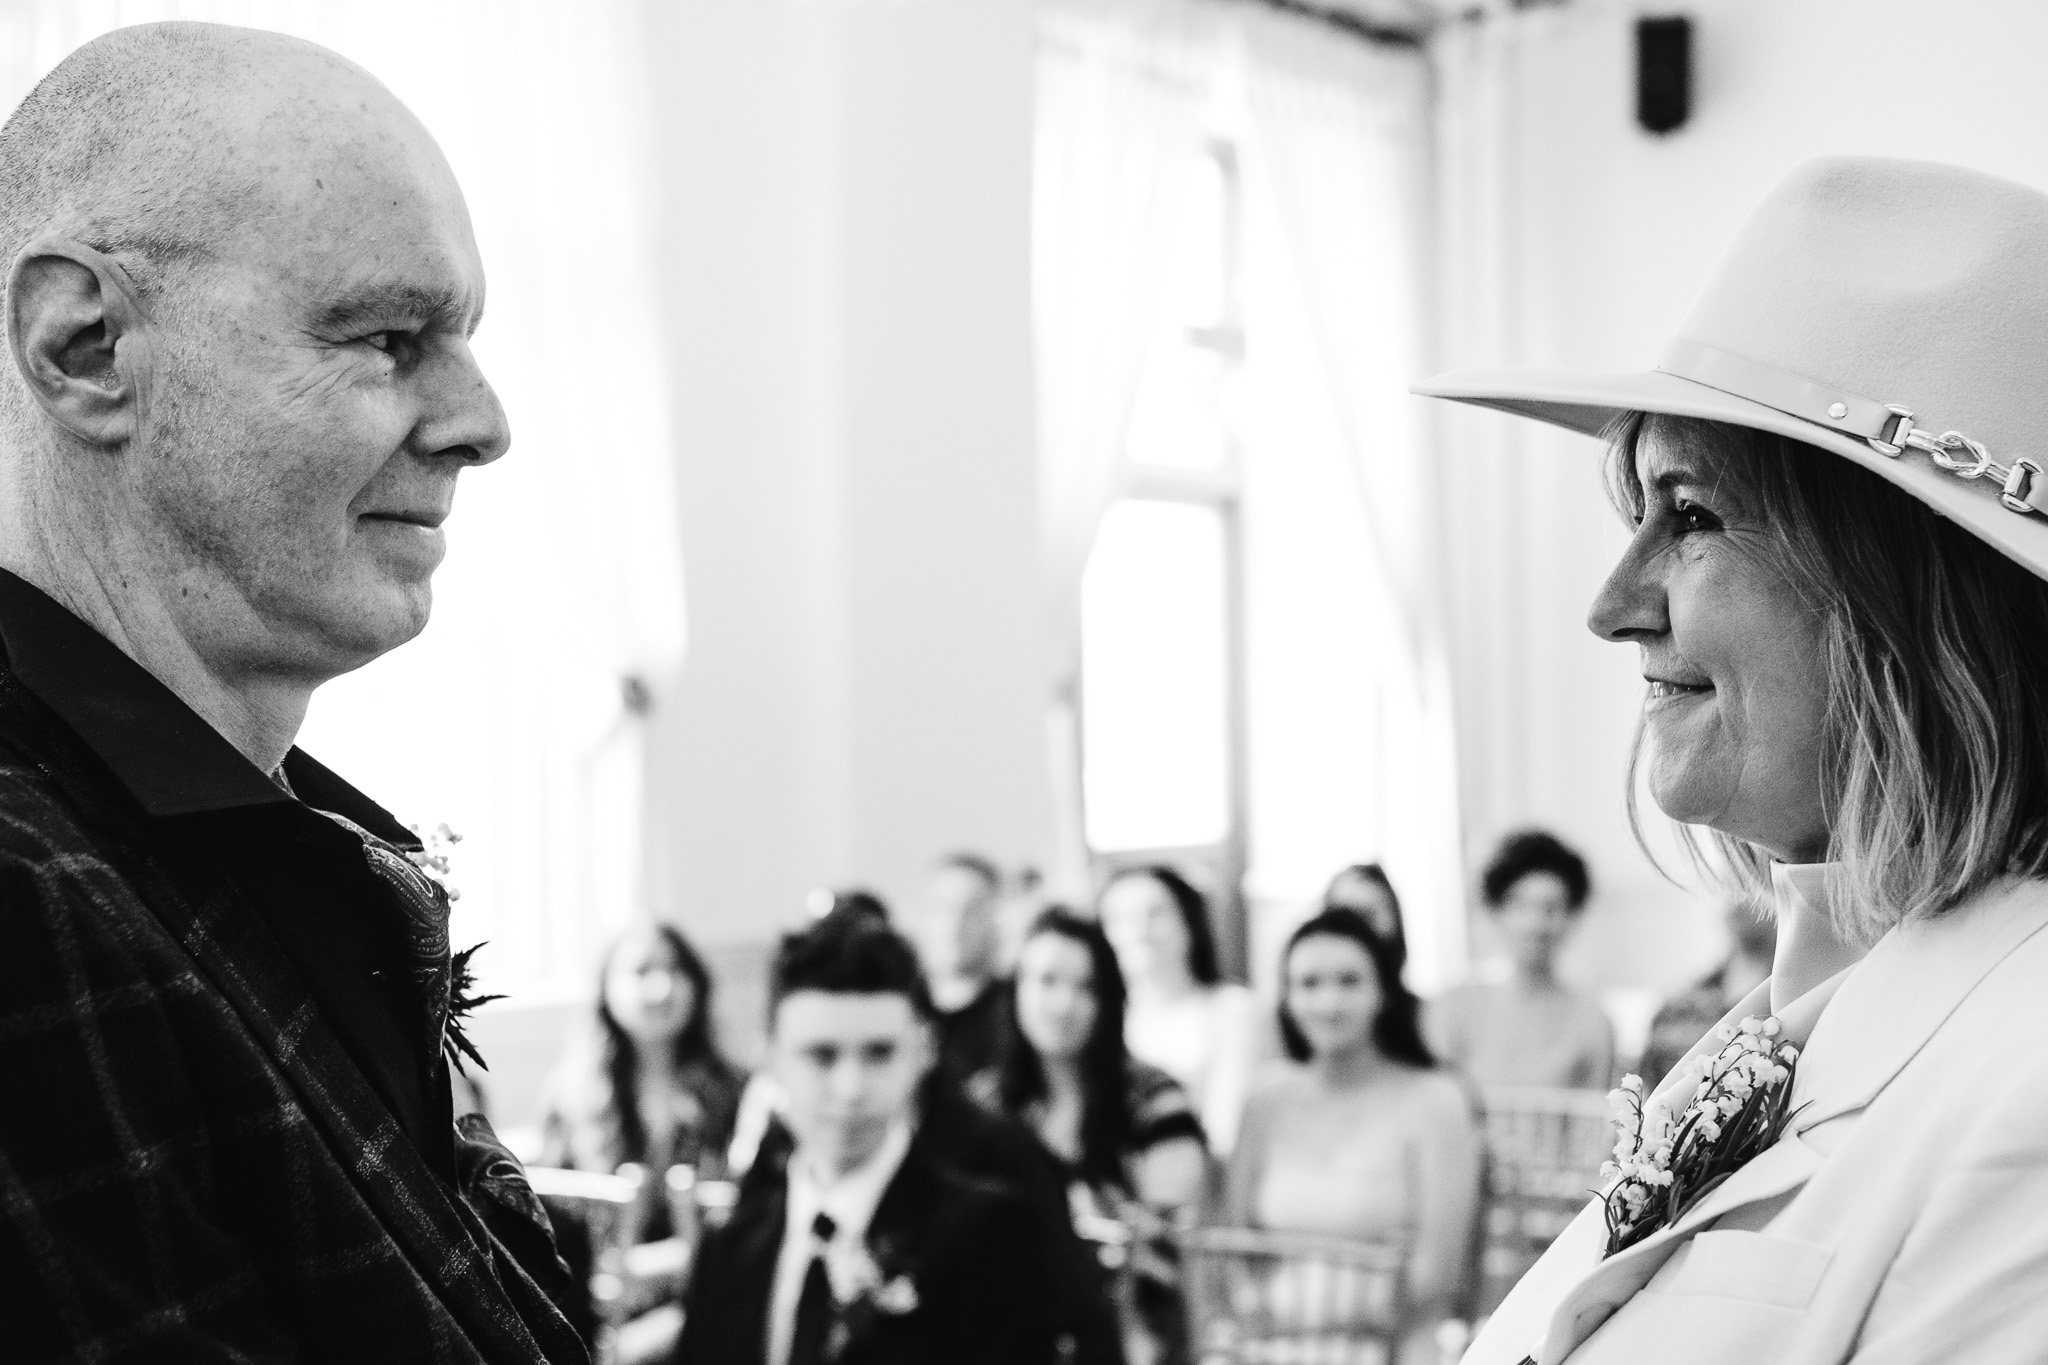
x: 1630, y: 605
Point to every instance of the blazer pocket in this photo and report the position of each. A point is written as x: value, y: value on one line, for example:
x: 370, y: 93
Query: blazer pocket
x: 1753, y: 1266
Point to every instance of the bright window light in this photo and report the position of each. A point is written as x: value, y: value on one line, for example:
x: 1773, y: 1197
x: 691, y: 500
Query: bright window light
x: 1155, y: 678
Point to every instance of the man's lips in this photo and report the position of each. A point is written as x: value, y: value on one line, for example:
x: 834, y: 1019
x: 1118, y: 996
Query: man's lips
x: 429, y: 519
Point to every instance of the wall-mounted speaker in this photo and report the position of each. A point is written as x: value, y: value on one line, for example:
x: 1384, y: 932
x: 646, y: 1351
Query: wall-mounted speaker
x: 1663, y: 73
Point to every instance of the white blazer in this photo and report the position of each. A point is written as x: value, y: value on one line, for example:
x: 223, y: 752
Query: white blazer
x: 1903, y: 1219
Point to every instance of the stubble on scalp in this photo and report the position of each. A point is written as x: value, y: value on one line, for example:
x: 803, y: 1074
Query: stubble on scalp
x: 158, y: 146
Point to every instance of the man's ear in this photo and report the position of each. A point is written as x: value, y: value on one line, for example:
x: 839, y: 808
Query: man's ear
x: 76, y: 329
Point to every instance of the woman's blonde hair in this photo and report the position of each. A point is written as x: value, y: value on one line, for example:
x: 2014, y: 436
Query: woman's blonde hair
x: 1935, y: 651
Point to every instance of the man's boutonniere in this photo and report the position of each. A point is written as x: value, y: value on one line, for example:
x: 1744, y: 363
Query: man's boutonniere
x: 435, y: 857
x: 1663, y: 1165
x: 862, y: 1294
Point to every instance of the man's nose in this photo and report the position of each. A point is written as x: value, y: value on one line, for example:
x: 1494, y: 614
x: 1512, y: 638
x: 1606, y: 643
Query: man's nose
x: 847, y: 1081
x: 461, y: 415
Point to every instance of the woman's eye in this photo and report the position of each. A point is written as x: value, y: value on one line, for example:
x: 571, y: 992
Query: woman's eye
x: 1692, y: 517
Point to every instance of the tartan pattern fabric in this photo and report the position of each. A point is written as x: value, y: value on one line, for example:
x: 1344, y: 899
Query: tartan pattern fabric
x: 191, y: 1167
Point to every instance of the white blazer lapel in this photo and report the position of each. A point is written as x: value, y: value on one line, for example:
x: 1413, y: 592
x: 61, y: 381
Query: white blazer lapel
x: 1784, y: 1166
x: 1524, y: 1316
x: 1899, y: 996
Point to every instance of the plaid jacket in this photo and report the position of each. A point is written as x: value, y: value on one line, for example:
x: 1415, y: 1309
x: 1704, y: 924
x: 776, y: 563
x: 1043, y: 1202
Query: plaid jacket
x: 191, y: 1167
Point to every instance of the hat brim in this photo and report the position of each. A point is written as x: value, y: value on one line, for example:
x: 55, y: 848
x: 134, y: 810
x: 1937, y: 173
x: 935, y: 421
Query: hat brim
x: 1587, y: 403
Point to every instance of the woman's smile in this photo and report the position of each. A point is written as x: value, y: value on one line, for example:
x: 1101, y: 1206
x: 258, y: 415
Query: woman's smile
x: 1666, y: 693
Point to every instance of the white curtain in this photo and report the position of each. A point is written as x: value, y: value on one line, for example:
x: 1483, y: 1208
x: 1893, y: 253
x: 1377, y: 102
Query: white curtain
x: 562, y: 595
x: 1117, y: 99
x: 1338, y: 135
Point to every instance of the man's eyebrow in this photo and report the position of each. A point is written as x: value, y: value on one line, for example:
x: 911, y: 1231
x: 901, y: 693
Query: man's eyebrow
x: 372, y: 305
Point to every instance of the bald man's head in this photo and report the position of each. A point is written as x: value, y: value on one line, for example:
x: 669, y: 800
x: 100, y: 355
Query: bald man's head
x: 158, y: 144
x: 240, y: 286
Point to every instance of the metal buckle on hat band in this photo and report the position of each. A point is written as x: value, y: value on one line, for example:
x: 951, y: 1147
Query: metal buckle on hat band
x: 1891, y: 440
x: 1886, y: 428
x: 2022, y: 488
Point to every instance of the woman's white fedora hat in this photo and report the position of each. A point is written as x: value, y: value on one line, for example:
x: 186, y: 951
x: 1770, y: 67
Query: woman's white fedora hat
x: 1895, y: 312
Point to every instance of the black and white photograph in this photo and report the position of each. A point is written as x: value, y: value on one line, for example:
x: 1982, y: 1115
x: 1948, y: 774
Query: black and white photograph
x: 1023, y: 682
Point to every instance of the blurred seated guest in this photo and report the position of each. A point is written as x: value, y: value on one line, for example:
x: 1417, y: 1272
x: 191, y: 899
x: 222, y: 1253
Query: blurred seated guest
x: 1128, y: 1142
x: 981, y: 1143
x: 657, y: 1091
x: 864, y: 1247
x: 1183, y: 1017
x: 1529, y: 1029
x: 1024, y: 899
x: 650, y: 1088
x: 954, y: 928
x: 1121, y: 1128
x: 1685, y: 1018
x: 1366, y: 1137
x: 853, y: 900
x: 761, y: 1101
x: 1364, y: 887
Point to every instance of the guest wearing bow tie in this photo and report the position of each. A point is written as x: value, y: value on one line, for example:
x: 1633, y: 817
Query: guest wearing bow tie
x: 866, y: 1250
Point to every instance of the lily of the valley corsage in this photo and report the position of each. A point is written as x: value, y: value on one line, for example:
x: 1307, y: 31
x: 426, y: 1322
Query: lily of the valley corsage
x: 1664, y: 1164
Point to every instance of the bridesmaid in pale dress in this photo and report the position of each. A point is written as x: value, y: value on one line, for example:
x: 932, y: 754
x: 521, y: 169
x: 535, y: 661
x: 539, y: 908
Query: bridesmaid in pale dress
x: 1366, y: 1137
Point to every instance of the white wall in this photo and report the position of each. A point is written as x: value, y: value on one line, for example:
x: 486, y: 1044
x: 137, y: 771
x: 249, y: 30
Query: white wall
x: 1608, y: 232
x: 844, y: 229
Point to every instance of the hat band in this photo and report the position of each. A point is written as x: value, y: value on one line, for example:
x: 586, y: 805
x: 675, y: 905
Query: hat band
x: 1794, y: 395
x: 1887, y: 427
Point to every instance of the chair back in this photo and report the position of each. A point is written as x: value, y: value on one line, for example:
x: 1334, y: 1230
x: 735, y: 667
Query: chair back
x: 1543, y: 1153
x: 596, y: 1218
x: 1283, y: 1298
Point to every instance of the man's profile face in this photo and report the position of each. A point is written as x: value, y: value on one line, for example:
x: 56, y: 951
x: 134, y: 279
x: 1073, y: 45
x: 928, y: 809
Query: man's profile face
x: 850, y: 1066
x: 318, y: 397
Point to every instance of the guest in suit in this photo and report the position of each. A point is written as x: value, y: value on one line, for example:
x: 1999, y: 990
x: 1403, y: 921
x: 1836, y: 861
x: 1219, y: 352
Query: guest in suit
x: 241, y: 286
x: 954, y: 925
x: 1835, y: 583
x: 866, y: 1248
x: 1530, y: 1029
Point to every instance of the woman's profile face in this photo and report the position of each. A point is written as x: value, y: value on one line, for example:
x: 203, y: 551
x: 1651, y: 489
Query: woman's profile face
x: 1333, y: 993
x: 1056, y: 1006
x: 1145, y: 928
x: 1731, y: 653
x: 646, y: 989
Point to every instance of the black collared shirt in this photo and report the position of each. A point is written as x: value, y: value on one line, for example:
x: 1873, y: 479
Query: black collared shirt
x: 305, y: 874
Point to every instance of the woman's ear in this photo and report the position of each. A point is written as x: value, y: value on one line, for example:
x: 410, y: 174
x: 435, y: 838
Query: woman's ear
x: 76, y: 330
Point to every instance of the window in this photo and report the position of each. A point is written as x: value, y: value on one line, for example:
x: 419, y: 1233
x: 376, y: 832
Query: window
x: 1162, y: 700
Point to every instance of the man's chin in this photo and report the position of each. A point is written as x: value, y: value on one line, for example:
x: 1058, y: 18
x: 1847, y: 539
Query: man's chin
x: 371, y: 624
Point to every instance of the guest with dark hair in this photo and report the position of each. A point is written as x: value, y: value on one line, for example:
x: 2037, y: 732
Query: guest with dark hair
x: 1364, y: 1136
x: 1120, y: 1127
x: 654, y: 1089
x: 1183, y: 1017
x: 1529, y: 1029
x: 852, y: 900
x: 1127, y: 1141
x: 1365, y: 887
x: 954, y: 926
x: 864, y: 1246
